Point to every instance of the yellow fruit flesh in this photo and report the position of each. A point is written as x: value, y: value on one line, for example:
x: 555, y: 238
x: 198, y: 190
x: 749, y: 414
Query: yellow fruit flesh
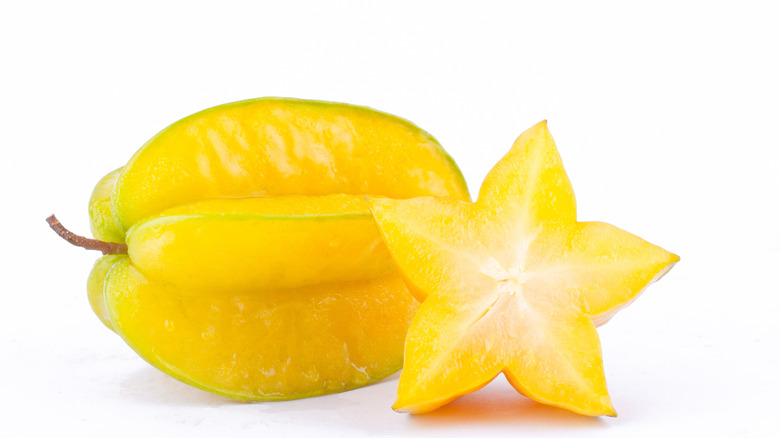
x: 597, y: 267
x: 526, y: 342
x: 281, y: 147
x: 272, y: 345
x: 254, y: 244
x: 512, y: 284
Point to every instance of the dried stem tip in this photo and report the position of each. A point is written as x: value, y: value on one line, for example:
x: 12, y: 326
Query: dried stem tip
x: 84, y: 242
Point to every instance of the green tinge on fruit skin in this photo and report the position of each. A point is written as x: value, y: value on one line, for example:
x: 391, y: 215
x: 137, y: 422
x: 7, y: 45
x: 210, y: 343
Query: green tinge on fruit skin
x: 101, y: 220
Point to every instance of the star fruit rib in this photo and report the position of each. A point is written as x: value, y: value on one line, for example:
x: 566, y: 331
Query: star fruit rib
x: 512, y: 283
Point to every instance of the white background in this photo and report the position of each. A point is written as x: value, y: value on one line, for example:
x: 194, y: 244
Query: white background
x: 667, y: 116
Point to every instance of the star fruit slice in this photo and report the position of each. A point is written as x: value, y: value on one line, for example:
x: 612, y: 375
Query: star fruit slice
x: 512, y: 283
x: 272, y: 345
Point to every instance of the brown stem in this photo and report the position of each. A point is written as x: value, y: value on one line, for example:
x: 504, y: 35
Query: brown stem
x: 84, y: 242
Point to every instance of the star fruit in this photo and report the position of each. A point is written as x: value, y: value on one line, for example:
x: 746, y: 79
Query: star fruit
x: 241, y: 257
x: 512, y: 284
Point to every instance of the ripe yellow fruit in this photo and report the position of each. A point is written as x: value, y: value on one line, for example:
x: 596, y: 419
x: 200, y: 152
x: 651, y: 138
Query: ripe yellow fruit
x: 244, y: 260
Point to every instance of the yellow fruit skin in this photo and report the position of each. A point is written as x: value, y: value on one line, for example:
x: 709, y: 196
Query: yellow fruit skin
x: 254, y: 244
x: 281, y: 147
x: 274, y: 345
x: 95, y: 284
x: 101, y: 221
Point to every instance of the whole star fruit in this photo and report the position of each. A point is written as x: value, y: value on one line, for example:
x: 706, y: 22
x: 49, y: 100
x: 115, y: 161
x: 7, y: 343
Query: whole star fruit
x: 241, y: 257
x: 512, y: 284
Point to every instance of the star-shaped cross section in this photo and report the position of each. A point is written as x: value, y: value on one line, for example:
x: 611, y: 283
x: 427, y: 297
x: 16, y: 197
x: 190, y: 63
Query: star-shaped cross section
x: 512, y: 283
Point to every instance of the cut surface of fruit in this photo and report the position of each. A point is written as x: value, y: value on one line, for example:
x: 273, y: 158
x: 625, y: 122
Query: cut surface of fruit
x: 247, y: 245
x: 512, y: 283
x: 271, y: 346
x: 282, y: 147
